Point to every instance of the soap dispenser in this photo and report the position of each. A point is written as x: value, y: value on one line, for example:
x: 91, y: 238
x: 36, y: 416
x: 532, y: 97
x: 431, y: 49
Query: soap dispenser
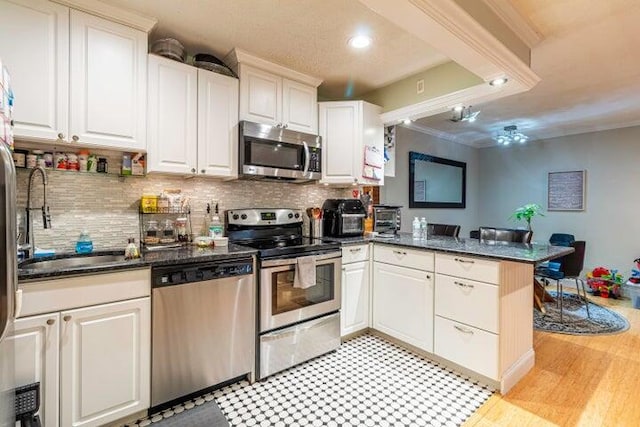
x: 84, y: 245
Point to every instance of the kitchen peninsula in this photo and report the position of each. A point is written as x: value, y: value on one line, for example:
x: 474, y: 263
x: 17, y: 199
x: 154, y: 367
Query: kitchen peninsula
x: 462, y: 302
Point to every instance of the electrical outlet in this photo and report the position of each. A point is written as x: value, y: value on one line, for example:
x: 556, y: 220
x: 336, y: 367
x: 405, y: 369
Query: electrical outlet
x: 420, y: 86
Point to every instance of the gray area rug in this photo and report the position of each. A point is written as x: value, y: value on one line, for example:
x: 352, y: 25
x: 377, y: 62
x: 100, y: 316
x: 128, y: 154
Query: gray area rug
x: 602, y: 321
x: 196, y: 413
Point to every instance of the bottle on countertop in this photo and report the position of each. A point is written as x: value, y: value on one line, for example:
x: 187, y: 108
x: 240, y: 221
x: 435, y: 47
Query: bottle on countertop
x: 216, y: 228
x: 423, y: 228
x: 84, y: 245
x: 204, y: 231
x: 415, y: 227
x: 131, y: 251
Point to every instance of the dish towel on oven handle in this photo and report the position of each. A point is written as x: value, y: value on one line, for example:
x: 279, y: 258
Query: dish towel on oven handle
x: 305, y: 273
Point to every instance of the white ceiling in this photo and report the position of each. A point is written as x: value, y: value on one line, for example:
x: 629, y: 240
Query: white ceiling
x: 590, y: 72
x: 309, y: 36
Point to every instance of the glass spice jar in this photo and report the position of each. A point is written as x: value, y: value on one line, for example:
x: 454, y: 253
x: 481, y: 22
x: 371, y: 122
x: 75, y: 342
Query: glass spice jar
x: 151, y: 233
x: 168, y: 232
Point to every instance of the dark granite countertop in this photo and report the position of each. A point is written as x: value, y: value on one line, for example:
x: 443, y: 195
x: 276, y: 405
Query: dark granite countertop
x: 158, y: 258
x: 521, y: 252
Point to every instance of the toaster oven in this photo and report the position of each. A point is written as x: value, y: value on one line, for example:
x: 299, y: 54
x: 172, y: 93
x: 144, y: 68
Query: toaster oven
x: 386, y: 219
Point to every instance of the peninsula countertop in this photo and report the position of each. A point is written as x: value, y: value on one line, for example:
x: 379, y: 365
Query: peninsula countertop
x: 520, y: 252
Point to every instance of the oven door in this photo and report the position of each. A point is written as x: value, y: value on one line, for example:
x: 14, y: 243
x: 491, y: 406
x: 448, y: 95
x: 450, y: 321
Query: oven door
x: 282, y: 304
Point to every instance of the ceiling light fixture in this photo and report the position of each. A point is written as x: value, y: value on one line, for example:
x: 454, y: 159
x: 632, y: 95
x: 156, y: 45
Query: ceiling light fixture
x: 499, y: 81
x: 464, y: 114
x: 510, y: 134
x: 360, y: 41
x: 407, y: 121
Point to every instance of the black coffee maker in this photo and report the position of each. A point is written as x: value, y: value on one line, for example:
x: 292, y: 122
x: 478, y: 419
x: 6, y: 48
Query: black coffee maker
x: 343, y: 217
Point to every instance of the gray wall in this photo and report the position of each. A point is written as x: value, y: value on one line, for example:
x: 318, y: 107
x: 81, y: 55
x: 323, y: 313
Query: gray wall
x: 610, y: 224
x: 396, y: 189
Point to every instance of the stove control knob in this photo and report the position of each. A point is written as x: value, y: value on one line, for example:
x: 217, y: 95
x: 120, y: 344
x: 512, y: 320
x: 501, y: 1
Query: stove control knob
x: 243, y: 216
x: 290, y: 215
x: 297, y: 215
x: 236, y: 216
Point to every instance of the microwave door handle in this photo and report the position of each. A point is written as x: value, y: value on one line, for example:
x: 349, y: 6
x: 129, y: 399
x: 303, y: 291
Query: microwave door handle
x: 306, y: 158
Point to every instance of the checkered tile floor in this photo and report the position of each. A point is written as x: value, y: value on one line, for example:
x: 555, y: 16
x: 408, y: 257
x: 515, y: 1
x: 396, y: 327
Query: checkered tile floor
x: 367, y: 382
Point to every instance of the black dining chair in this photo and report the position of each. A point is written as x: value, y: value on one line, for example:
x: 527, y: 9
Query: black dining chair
x: 505, y: 235
x: 443, y: 230
x: 570, y: 266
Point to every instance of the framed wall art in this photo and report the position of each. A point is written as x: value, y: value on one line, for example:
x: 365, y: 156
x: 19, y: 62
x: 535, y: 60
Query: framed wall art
x: 566, y: 191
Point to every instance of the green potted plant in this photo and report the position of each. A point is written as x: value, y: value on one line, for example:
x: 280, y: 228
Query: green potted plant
x: 527, y: 212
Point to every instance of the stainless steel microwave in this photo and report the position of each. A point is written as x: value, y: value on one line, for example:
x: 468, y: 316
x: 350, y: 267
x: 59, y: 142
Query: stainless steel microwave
x: 267, y: 151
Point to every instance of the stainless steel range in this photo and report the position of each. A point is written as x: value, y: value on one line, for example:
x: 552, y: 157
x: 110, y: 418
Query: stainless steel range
x: 297, y: 321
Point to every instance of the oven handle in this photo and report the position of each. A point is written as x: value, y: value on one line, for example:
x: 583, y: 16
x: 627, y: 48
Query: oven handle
x: 293, y: 261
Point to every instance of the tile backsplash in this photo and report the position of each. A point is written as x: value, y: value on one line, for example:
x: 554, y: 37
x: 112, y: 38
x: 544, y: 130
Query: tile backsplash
x: 107, y: 205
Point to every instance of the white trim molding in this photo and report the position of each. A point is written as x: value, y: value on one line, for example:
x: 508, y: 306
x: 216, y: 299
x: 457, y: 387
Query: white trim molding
x: 239, y: 56
x: 518, y: 23
x: 112, y: 13
x: 437, y: 133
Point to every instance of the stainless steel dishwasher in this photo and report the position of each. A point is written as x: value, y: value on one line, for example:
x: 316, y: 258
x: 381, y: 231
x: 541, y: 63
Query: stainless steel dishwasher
x: 203, y: 327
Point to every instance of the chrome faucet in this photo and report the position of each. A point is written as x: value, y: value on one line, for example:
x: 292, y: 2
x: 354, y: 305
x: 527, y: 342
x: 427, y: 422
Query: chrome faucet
x: 46, y: 217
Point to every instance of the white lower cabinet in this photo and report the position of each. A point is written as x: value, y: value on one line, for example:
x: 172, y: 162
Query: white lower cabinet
x: 403, y: 304
x: 467, y: 346
x: 105, y: 362
x: 93, y: 363
x: 354, y: 315
x: 37, y: 347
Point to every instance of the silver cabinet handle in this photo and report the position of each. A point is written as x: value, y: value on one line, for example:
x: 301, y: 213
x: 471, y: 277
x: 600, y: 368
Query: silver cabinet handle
x: 355, y: 250
x: 61, y: 135
x: 51, y: 321
x: 399, y: 252
x: 464, y: 260
x: 75, y: 138
x: 66, y: 318
x: 193, y: 170
x: 203, y: 171
x: 464, y: 285
x: 428, y: 276
x: 463, y: 330
x: 286, y: 125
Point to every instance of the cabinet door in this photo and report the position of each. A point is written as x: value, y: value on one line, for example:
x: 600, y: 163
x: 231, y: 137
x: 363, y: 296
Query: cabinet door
x: 34, y: 45
x: 372, y: 136
x: 260, y: 96
x: 105, y: 362
x: 339, y: 128
x: 173, y: 117
x: 354, y: 315
x: 299, y: 106
x: 36, y: 342
x: 108, y: 83
x: 217, y: 125
x: 403, y: 304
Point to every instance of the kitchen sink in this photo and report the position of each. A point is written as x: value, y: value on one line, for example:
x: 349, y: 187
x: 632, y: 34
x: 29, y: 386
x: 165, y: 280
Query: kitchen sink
x: 63, y: 262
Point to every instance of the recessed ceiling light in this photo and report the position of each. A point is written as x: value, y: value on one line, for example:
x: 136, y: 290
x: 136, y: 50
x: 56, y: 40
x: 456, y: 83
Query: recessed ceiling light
x: 359, y: 42
x: 407, y: 121
x: 499, y: 81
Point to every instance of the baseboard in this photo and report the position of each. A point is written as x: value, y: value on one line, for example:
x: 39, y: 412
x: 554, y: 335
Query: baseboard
x: 516, y: 371
x: 355, y: 334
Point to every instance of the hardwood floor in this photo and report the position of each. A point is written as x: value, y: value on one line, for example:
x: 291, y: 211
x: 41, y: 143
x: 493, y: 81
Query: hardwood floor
x: 576, y: 381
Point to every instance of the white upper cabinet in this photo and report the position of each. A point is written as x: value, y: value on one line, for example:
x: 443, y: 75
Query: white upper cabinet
x: 193, y: 120
x: 275, y: 95
x: 108, y: 83
x: 173, y: 117
x: 299, y: 106
x: 34, y: 46
x: 260, y: 96
x: 352, y: 143
x: 77, y: 78
x: 217, y: 125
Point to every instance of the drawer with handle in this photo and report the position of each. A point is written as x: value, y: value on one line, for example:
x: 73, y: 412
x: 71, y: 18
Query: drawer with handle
x: 479, y: 269
x: 467, y: 301
x: 355, y: 253
x: 467, y: 346
x: 404, y: 257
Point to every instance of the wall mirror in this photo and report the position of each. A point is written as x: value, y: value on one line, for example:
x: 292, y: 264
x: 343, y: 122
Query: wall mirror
x: 435, y: 182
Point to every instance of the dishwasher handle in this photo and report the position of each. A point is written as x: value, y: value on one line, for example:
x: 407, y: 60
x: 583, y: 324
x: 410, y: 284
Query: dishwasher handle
x: 191, y: 273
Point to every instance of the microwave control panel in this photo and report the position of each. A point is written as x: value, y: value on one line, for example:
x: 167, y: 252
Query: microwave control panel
x: 314, y: 160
